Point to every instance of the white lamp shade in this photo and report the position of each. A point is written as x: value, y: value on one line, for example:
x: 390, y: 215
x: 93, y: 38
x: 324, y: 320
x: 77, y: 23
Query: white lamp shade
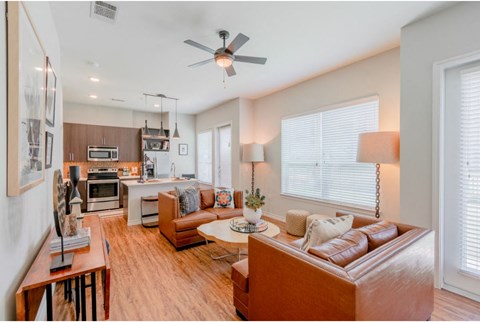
x: 253, y: 153
x: 378, y: 147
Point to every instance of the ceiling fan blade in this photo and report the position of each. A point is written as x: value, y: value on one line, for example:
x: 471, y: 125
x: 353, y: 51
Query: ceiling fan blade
x: 199, y: 46
x: 230, y: 71
x: 238, y: 42
x: 250, y: 59
x: 201, y: 63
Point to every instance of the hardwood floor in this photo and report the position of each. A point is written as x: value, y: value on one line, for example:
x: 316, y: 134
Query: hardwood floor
x: 152, y: 281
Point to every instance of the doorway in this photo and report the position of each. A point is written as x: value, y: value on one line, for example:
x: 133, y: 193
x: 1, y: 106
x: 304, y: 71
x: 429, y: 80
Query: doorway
x: 224, y: 156
x: 461, y: 177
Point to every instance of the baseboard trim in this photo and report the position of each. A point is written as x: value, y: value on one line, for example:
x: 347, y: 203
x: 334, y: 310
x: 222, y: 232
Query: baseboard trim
x: 274, y: 216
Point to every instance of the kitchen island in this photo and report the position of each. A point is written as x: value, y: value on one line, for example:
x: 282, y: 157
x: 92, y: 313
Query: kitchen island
x: 133, y: 191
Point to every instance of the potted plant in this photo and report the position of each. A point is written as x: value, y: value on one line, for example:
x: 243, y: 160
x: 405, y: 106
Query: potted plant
x: 253, y: 204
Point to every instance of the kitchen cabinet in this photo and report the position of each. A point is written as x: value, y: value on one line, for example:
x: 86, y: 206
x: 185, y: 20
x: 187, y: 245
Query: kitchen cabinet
x: 122, y: 188
x: 104, y: 135
x: 129, y: 147
x: 77, y: 137
x: 74, y: 142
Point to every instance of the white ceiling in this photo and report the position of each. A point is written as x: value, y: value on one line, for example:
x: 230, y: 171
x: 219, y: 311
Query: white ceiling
x: 143, y: 51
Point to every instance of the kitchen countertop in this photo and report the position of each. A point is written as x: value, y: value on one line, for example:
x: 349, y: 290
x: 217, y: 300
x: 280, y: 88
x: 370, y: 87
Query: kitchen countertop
x: 133, y: 183
x: 128, y: 177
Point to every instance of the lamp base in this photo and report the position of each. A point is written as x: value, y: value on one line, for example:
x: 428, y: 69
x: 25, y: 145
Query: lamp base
x: 58, y: 264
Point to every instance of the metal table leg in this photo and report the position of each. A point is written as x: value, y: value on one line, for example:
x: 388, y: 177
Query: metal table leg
x: 93, y: 282
x: 77, y: 298
x: 83, y: 301
x: 48, y: 289
x: 239, y: 253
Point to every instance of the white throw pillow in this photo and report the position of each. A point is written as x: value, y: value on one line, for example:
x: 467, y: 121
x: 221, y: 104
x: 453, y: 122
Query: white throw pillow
x: 323, y: 230
x: 224, y: 198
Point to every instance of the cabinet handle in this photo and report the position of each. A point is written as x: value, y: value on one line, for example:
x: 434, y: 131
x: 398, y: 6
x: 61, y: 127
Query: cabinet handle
x: 70, y: 156
x: 73, y: 156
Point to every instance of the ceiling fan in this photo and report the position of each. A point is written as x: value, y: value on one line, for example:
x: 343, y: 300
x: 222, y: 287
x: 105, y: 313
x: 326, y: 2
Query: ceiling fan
x: 224, y: 56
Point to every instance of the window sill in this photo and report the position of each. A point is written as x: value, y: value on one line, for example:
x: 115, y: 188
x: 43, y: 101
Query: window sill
x: 332, y: 204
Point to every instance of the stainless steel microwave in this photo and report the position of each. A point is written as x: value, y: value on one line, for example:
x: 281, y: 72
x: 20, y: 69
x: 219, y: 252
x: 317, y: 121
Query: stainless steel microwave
x: 102, y: 153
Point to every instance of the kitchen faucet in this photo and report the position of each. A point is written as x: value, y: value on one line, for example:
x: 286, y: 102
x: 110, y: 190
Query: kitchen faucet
x: 172, y: 166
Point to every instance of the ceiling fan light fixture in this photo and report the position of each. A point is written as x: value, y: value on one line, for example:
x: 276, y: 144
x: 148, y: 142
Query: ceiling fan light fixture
x: 224, y: 61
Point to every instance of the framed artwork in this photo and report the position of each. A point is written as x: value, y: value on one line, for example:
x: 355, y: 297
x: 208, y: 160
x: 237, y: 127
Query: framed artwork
x: 51, y: 94
x: 48, y: 149
x: 183, y: 149
x: 26, y: 102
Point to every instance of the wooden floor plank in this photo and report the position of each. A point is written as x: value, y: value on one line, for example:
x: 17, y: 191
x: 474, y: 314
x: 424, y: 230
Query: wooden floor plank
x: 152, y: 281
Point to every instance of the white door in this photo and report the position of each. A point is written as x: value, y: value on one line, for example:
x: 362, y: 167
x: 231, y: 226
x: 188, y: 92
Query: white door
x: 224, y: 159
x: 461, y: 224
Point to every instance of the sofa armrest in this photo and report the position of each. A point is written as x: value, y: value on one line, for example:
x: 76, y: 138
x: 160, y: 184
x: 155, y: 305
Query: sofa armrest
x: 286, y: 283
x: 167, y: 212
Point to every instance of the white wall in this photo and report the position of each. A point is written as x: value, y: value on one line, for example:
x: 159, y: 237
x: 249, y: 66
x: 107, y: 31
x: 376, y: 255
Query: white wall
x: 26, y: 220
x: 109, y: 116
x: 449, y: 33
x: 376, y: 75
x: 227, y: 113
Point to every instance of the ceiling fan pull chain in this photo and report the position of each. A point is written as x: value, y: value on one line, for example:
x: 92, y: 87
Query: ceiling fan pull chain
x: 223, y: 74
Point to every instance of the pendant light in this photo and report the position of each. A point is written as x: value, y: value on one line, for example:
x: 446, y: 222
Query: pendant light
x: 146, y: 131
x: 162, y: 131
x: 175, y: 134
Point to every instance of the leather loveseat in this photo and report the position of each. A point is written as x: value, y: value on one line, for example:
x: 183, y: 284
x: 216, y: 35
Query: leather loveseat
x: 182, y: 231
x: 391, y: 282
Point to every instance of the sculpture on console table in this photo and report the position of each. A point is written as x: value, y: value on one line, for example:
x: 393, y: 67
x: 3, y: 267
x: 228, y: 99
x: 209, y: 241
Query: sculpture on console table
x: 74, y: 179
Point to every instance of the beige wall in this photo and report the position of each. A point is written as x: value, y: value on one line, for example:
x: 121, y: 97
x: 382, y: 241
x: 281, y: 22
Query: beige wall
x: 26, y: 220
x: 379, y: 75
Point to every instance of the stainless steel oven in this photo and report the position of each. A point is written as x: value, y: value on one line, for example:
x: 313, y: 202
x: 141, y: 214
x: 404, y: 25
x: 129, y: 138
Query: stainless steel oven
x: 102, y: 153
x: 103, y: 189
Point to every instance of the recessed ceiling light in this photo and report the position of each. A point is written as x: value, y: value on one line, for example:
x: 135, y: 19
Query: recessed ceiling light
x: 156, y: 105
x: 92, y: 96
x: 94, y: 79
x: 40, y: 69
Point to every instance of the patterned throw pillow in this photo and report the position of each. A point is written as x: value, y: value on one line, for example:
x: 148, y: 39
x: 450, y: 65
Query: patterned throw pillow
x: 224, y: 198
x: 321, y: 231
x: 188, y: 200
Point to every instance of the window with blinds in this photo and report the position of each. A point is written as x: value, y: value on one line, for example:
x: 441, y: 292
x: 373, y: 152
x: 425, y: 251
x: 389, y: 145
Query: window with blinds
x: 469, y: 179
x: 319, y: 152
x: 204, y: 157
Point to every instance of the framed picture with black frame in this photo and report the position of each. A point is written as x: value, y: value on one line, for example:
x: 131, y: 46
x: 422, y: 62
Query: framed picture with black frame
x: 51, y: 94
x: 183, y: 149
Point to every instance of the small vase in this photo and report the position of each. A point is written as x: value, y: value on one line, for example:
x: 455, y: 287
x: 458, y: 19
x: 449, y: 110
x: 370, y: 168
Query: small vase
x: 252, y: 216
x: 74, y: 178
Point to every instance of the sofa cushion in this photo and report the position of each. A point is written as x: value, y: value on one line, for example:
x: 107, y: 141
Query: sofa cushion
x: 193, y: 220
x: 187, y: 199
x: 297, y: 243
x: 240, y: 274
x: 224, y: 198
x: 344, y: 249
x: 379, y: 233
x: 321, y: 231
x: 207, y: 198
x: 225, y: 213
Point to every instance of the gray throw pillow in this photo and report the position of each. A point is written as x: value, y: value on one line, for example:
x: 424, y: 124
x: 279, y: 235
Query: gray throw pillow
x: 188, y: 200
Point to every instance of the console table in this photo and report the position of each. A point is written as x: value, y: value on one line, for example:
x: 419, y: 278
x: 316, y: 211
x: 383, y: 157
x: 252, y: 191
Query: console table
x: 87, y: 260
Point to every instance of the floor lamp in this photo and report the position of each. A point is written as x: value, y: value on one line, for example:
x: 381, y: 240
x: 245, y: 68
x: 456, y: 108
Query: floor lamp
x: 253, y: 153
x: 378, y: 147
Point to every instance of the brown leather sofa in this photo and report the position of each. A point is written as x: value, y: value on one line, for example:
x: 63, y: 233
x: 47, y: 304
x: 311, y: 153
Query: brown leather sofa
x: 392, y: 282
x: 182, y: 231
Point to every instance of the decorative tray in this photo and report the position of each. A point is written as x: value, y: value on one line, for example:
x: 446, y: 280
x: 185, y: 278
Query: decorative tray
x: 240, y: 225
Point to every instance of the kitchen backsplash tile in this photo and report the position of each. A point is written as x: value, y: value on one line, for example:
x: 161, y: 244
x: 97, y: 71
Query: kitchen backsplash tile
x: 85, y: 165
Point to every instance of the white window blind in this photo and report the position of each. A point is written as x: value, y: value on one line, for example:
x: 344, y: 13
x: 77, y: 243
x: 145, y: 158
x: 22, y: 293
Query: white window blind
x: 469, y: 179
x: 204, y: 157
x: 319, y: 152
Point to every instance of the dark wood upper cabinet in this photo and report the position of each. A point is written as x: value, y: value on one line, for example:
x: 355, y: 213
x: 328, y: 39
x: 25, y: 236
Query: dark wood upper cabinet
x: 77, y: 137
x: 74, y: 142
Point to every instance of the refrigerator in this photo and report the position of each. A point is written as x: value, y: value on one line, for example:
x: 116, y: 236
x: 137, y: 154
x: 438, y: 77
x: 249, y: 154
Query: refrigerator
x: 159, y: 163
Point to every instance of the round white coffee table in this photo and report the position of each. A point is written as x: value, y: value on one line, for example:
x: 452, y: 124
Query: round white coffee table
x: 220, y: 232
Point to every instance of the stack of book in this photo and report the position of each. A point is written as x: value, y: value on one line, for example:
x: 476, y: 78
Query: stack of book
x: 81, y: 239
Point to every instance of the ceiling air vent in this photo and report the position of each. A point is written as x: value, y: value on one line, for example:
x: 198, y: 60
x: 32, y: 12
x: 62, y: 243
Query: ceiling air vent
x: 103, y: 11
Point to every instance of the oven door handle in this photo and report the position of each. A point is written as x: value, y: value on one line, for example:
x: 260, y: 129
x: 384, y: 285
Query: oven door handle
x: 103, y: 181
